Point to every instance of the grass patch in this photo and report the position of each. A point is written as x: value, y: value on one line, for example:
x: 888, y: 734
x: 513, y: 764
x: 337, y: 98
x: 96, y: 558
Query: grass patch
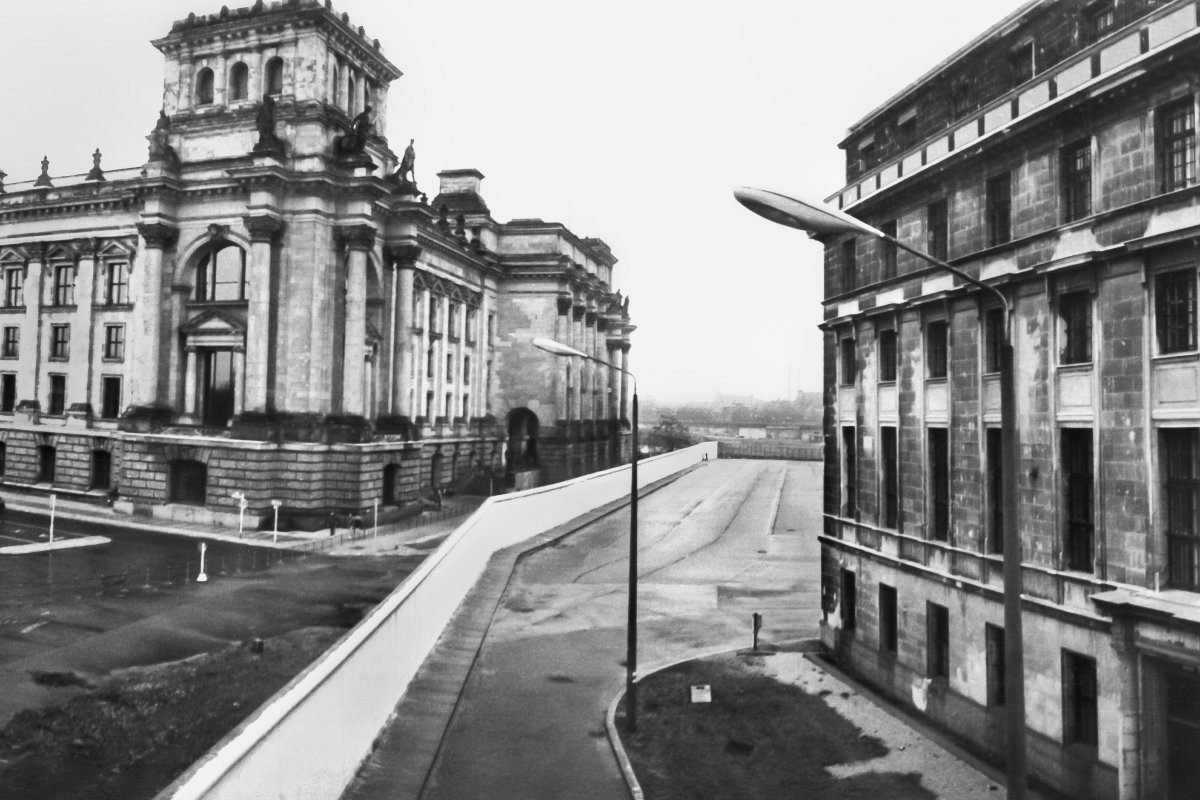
x: 758, y: 738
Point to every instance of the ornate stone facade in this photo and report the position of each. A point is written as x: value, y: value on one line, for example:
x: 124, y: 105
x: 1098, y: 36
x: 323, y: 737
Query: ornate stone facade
x: 264, y: 307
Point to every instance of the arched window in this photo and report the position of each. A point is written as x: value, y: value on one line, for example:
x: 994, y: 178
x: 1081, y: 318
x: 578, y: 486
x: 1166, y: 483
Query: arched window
x: 239, y: 79
x: 351, y: 95
x: 187, y: 482
x: 204, y: 87
x: 221, y: 275
x: 274, y: 82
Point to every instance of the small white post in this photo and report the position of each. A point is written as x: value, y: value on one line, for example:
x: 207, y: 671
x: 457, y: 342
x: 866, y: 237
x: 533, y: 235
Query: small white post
x: 202, y: 577
x: 375, y: 505
x: 53, y: 505
x: 241, y: 498
x: 276, y: 504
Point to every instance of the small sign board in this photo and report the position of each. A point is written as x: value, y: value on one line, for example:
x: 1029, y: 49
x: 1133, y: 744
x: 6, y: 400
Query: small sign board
x: 702, y: 693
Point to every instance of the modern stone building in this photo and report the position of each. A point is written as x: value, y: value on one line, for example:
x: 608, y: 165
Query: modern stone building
x: 1053, y: 157
x: 270, y: 306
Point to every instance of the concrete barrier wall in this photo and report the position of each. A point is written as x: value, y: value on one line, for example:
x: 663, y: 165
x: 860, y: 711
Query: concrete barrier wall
x: 308, y: 741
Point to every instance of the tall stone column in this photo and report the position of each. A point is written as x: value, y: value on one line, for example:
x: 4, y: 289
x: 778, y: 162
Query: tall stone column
x: 82, y: 344
x: 593, y: 367
x: 264, y: 232
x: 402, y: 337
x: 31, y: 323
x: 359, y: 239
x: 189, y: 381
x: 625, y: 381
x: 239, y: 380
x: 146, y: 339
x: 562, y: 333
x: 1129, y: 734
x: 614, y: 380
x: 577, y: 342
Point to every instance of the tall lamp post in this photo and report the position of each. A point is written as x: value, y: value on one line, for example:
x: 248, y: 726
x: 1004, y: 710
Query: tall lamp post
x: 818, y: 219
x: 559, y: 349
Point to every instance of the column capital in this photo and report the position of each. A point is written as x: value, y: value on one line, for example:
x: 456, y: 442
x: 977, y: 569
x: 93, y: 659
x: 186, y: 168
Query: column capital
x: 590, y: 317
x: 158, y: 235
x: 356, y: 237
x: 577, y: 312
x: 624, y: 347
x: 564, y: 304
x: 263, y: 227
x: 402, y: 256
x: 613, y: 344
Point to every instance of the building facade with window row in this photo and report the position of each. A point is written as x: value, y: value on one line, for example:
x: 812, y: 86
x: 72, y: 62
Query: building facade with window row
x: 1054, y: 157
x: 270, y: 306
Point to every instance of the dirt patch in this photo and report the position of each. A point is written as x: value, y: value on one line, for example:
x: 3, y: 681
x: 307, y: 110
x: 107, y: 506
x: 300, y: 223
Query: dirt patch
x: 758, y: 738
x: 140, y: 728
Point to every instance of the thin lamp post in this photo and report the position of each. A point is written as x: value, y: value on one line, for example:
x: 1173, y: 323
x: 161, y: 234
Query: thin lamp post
x: 817, y: 218
x: 559, y: 349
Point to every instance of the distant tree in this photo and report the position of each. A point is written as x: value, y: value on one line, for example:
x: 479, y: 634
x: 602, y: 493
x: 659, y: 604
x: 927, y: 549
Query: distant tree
x: 669, y: 434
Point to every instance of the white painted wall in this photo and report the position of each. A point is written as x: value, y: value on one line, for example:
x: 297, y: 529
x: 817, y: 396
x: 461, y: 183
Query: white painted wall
x: 285, y: 751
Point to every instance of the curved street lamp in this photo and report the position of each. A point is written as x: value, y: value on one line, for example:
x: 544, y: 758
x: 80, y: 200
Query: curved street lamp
x: 566, y: 351
x: 819, y: 219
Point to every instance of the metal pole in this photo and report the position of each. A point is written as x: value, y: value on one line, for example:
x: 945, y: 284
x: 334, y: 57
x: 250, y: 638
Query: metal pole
x: 1014, y: 649
x: 631, y: 626
x: 53, y: 500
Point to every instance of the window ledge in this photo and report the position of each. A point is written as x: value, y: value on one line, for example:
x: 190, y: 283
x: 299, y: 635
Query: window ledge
x: 1080, y: 367
x: 1184, y: 357
x: 12, y: 309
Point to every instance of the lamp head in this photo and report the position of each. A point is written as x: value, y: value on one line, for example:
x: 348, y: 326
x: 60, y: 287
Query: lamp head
x: 812, y: 216
x: 557, y: 348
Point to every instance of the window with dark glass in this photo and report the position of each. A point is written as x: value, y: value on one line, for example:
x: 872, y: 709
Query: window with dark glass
x: 429, y: 363
x: 849, y: 361
x: 1179, y: 453
x: 221, y: 275
x: 995, y: 494
x: 849, y: 604
x: 449, y: 378
x: 429, y: 406
x: 114, y: 342
x: 60, y: 341
x: 850, y: 470
x: 1098, y: 21
x: 239, y: 79
x: 116, y: 291
x: 849, y: 265
x: 435, y: 313
x: 452, y: 320
x: 110, y: 397
x: 960, y: 100
x: 187, y: 482
x: 937, y: 229
x: 47, y: 463
x: 887, y: 355
x: 1075, y: 315
x: 993, y: 338
x: 1020, y: 62
x: 1079, y: 692
x: 1177, y: 145
x: 12, y: 342
x: 866, y: 154
x: 204, y: 87
x: 994, y: 643
x: 888, y: 267
x: 472, y: 318
x: 1077, y: 180
x: 64, y: 285
x: 906, y: 129
x: 274, y: 76
x: 888, y: 619
x: 8, y: 391
x: 937, y: 638
x: 999, y: 209
x: 448, y: 409
x: 58, y: 395
x: 466, y: 370
x: 1079, y: 484
x: 101, y: 469
x: 936, y: 349
x: 891, y: 477
x: 939, y: 484
x: 491, y: 328
x: 218, y: 387
x: 1175, y: 311
x: 14, y: 287
x: 466, y: 405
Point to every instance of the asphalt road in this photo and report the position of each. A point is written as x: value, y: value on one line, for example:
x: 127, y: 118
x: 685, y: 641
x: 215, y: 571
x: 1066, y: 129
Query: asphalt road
x: 724, y: 541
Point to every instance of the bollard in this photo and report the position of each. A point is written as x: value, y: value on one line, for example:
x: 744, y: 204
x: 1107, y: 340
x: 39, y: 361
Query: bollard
x: 757, y: 625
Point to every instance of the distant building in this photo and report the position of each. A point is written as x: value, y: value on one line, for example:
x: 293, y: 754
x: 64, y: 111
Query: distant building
x: 1054, y: 157
x: 267, y: 306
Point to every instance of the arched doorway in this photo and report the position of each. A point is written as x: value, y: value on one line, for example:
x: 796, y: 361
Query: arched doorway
x: 521, y: 462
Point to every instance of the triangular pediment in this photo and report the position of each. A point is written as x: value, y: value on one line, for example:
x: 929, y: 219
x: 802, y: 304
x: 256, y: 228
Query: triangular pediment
x: 213, y: 322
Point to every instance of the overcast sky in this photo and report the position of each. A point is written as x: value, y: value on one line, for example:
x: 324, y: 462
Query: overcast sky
x: 630, y: 120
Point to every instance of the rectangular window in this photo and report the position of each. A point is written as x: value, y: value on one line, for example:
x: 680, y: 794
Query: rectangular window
x: 1179, y: 450
x: 452, y: 320
x: 849, y: 265
x: 939, y: 484
x: 1079, y: 484
x: 960, y: 100
x: 429, y: 406
x: 850, y: 475
x: 466, y: 406
x: 1077, y: 180
x: 887, y: 355
x: 849, y: 361
x: 891, y: 477
x: 448, y: 408
x: 994, y: 642
x: 472, y: 316
x: 14, y: 287
x: 999, y: 210
x: 995, y: 494
x: 867, y: 154
x: 58, y: 395
x: 466, y: 370
x: 993, y: 338
x: 1020, y: 62
x: 64, y: 285
x: 491, y: 328
x: 936, y: 349
x: 114, y: 342
x: 888, y: 269
x: 110, y: 399
x: 1079, y: 693
x: 937, y: 225
x: 906, y: 129
x: 888, y: 619
x: 449, y: 368
x: 1075, y: 326
x: 435, y: 313
x: 849, y: 605
x: 1175, y: 311
x: 1177, y: 145
x: 8, y: 392
x: 1099, y: 21
x: 60, y: 341
x: 116, y: 290
x: 937, y: 638
x: 429, y: 363
x: 12, y: 342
